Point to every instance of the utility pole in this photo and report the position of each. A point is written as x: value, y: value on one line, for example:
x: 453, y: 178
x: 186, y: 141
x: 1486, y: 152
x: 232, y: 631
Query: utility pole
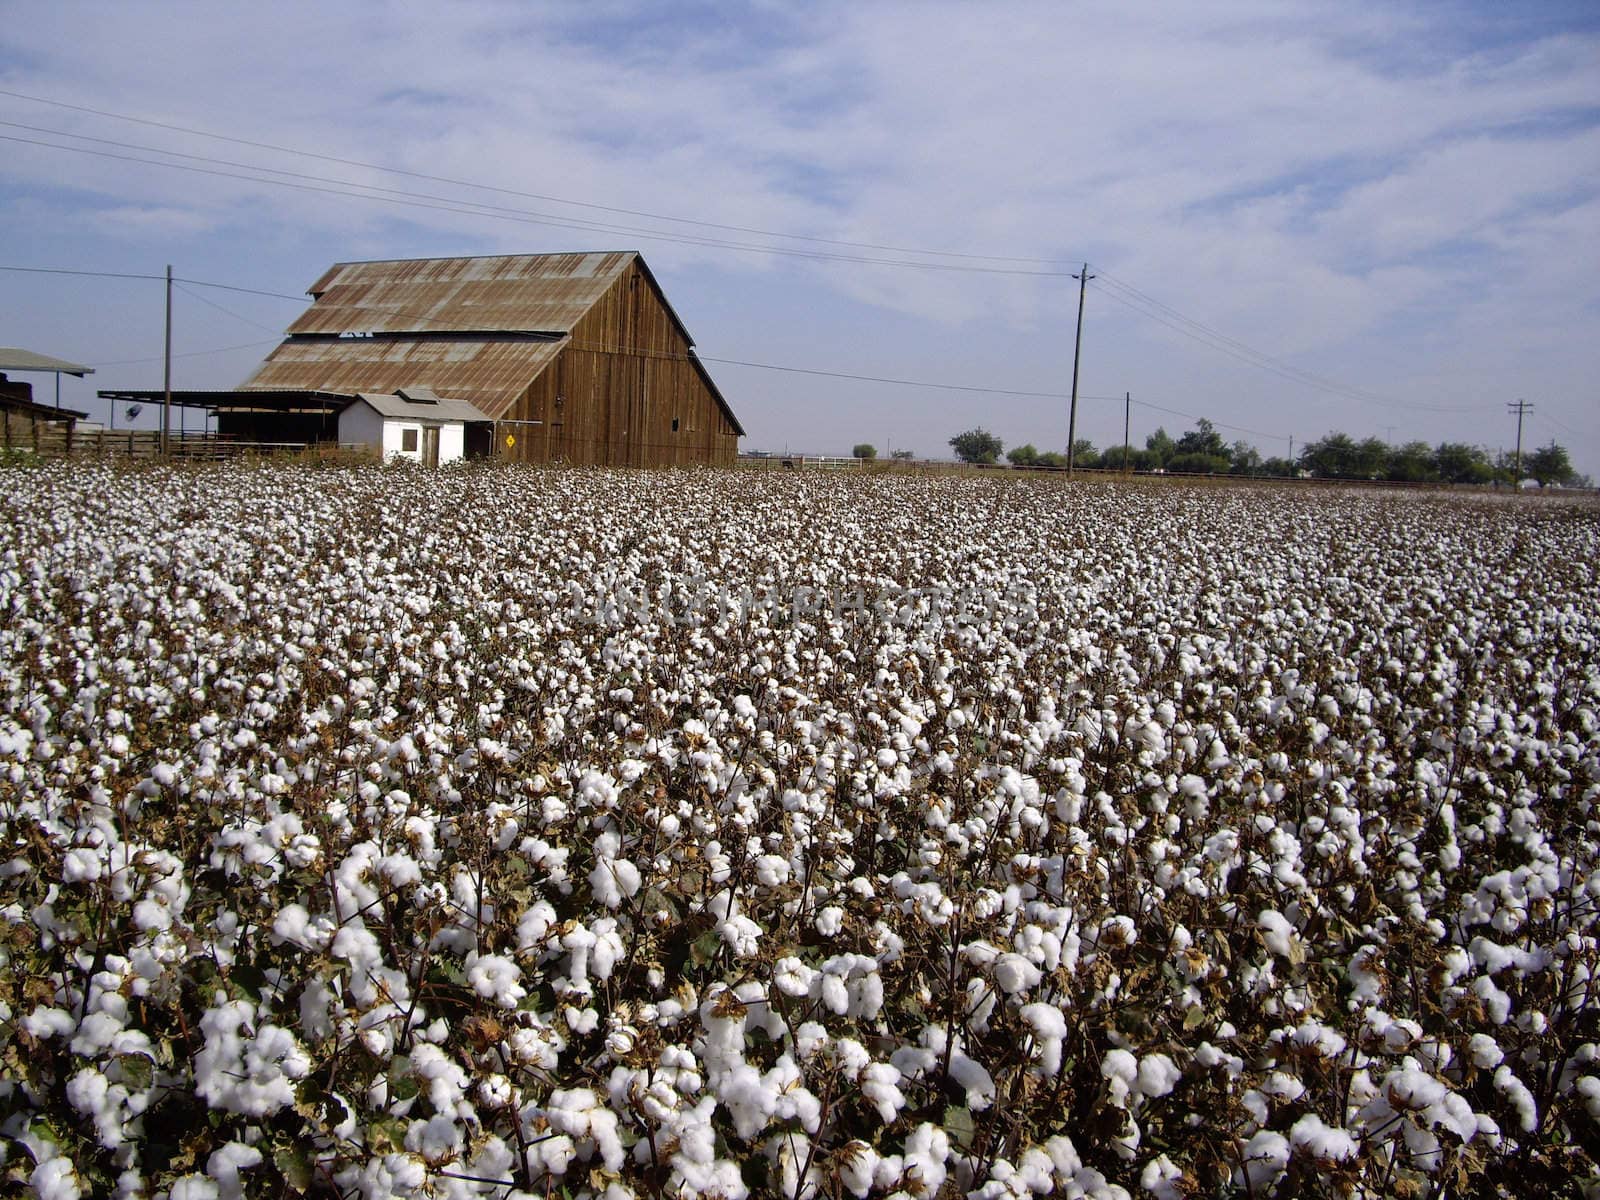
x: 1077, y: 349
x: 1520, y: 407
x: 166, y: 398
x: 1127, y: 411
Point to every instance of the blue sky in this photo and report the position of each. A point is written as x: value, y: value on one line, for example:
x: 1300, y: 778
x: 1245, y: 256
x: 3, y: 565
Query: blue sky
x: 1378, y: 218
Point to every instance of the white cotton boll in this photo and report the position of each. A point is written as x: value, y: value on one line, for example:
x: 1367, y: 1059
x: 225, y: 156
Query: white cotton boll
x: 772, y: 870
x: 1276, y: 932
x: 535, y: 925
x: 496, y: 978
x: 879, y: 1083
x: 55, y: 1179
x: 856, y: 1163
x: 1484, y: 1051
x: 494, y: 1091
x: 1514, y: 1090
x: 829, y: 921
x: 1266, y: 1157
x: 1588, y: 1088
x: 1158, y: 1075
x: 226, y: 1163
x: 437, y: 1139
x: 614, y: 880
x: 1049, y: 1028
x: 1161, y: 1177
x: 81, y: 865
x: 1312, y: 1137
x: 1014, y: 973
x: 741, y: 934
x: 972, y: 1077
x: 792, y: 977
x: 194, y: 1187
x: 295, y: 925
x: 927, y: 1151
x: 49, y: 1022
x: 1120, y: 1070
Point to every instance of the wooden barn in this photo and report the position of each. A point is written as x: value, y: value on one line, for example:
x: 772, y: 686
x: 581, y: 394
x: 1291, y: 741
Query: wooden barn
x: 574, y: 357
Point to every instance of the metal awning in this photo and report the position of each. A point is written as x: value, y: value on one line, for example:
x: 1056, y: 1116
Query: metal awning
x: 231, y: 400
x: 13, y: 358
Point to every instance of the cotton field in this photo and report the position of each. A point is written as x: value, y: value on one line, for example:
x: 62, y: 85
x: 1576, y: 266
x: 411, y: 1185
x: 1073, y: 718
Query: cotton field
x: 371, y: 833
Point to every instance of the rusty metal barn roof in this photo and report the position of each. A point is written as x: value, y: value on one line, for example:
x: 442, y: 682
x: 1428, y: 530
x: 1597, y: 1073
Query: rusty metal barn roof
x: 506, y: 293
x: 478, y: 329
x: 487, y: 374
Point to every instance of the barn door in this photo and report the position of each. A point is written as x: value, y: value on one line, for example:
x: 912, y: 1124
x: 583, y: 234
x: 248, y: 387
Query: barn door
x: 430, y: 446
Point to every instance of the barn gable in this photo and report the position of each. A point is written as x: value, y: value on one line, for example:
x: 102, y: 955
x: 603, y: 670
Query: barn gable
x: 577, y: 357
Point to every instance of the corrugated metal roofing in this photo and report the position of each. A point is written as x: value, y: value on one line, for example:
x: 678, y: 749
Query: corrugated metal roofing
x: 415, y: 307
x: 509, y: 293
x: 14, y: 359
x: 489, y: 375
x: 389, y: 405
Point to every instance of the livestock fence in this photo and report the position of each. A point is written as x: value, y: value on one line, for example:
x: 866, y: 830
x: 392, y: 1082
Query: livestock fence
x: 61, y: 439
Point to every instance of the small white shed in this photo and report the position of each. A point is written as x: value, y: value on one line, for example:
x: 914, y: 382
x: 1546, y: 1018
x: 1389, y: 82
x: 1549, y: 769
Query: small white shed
x: 413, y: 423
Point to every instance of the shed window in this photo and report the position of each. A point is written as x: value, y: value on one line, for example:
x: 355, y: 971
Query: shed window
x: 674, y: 424
x: 408, y: 439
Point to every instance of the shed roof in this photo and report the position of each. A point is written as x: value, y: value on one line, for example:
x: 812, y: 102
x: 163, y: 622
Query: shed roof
x: 43, y: 412
x: 421, y: 404
x: 13, y: 358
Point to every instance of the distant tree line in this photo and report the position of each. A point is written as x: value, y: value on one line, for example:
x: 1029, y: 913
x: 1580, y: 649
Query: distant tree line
x: 1202, y: 451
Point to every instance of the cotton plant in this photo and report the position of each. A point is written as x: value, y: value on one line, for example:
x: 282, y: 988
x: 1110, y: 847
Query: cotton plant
x: 504, y: 831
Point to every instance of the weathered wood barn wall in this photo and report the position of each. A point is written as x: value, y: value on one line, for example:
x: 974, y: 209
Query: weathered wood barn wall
x: 576, y: 357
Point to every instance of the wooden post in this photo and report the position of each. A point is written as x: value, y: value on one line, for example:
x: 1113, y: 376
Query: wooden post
x: 1077, y: 349
x: 1127, y: 411
x: 166, y: 397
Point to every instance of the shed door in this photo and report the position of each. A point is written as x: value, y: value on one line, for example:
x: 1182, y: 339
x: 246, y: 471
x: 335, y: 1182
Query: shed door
x: 430, y: 446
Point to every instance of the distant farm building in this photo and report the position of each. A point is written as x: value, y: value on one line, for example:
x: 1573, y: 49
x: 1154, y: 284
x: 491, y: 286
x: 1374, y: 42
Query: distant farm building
x: 416, y: 424
x: 26, y: 424
x: 575, y: 358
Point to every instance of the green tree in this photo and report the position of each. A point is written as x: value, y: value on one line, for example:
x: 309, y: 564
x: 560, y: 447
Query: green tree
x: 902, y: 454
x: 1025, y: 455
x: 1119, y: 458
x: 1051, y: 458
x: 1411, y: 463
x: 1335, y: 456
x: 977, y: 446
x: 864, y: 450
x: 1204, y: 440
x: 1084, y: 454
x: 1457, y: 462
x: 1160, y: 447
x: 1246, y: 459
x: 1281, y: 468
x: 1548, y: 464
x: 1371, y: 458
x: 1192, y: 462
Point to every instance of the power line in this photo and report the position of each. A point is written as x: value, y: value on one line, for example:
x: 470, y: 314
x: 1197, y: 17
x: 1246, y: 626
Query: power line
x: 1224, y: 345
x: 509, y: 191
x: 128, y: 362
x: 474, y: 209
x: 1277, y: 437
x: 86, y: 274
x: 221, y: 309
x: 1133, y: 298
x: 1138, y: 301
